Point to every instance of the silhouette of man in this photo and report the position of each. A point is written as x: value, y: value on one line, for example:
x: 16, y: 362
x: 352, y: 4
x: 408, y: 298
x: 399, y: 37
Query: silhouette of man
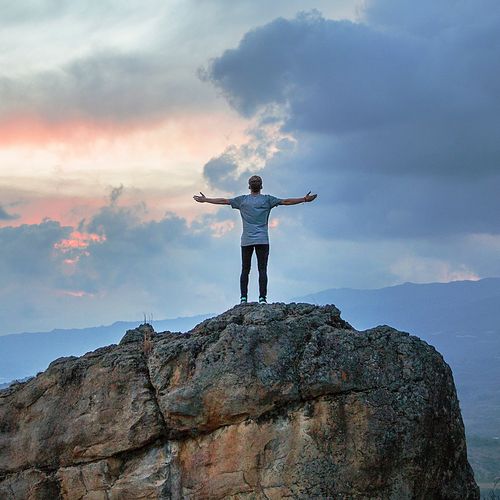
x: 254, y: 210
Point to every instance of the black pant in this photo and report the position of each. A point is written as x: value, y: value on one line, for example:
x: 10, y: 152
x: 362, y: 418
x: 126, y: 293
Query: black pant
x: 262, y: 252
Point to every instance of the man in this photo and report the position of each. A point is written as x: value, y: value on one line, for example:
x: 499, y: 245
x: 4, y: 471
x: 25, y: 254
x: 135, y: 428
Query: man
x: 254, y: 210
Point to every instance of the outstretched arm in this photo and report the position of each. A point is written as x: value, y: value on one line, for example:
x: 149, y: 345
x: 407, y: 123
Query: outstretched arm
x: 294, y: 201
x: 216, y: 201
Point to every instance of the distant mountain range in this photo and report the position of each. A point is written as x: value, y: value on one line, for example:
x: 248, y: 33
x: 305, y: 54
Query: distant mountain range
x: 25, y: 354
x: 461, y: 319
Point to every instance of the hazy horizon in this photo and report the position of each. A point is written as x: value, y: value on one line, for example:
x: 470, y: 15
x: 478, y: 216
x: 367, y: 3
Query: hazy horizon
x: 202, y: 313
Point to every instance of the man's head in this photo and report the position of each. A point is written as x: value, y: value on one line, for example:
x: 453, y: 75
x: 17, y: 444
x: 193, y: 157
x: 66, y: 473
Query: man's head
x: 255, y: 183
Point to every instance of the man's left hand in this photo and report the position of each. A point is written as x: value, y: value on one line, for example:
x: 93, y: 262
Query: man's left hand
x: 310, y: 197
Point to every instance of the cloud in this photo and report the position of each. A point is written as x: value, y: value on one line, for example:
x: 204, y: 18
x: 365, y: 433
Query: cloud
x: 367, y: 87
x: 429, y: 18
x: 111, y: 63
x: 393, y: 120
x: 230, y: 170
x: 380, y: 205
x: 105, y: 87
x: 396, y: 127
x: 418, y: 269
x: 340, y: 73
x: 115, y: 194
x: 31, y: 10
x: 27, y: 250
x: 221, y: 171
x: 4, y: 215
x: 114, y: 266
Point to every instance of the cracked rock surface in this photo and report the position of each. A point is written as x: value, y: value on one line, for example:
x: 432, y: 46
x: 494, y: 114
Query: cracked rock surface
x: 263, y: 401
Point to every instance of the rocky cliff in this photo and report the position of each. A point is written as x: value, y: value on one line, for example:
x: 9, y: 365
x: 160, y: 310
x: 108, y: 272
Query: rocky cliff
x: 264, y: 401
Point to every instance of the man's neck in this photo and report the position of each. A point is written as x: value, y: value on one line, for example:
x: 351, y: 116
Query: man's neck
x: 254, y: 194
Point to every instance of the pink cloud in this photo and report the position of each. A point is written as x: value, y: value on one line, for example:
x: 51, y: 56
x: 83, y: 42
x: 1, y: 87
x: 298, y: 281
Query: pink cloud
x: 68, y: 210
x: 187, y: 131
x: 33, y: 131
x: 78, y: 241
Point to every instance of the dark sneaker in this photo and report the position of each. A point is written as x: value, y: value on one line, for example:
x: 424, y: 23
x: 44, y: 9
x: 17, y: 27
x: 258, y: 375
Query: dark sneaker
x: 243, y: 300
x: 262, y: 300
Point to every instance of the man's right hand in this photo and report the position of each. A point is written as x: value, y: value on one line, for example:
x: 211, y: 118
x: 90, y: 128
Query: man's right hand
x: 201, y: 199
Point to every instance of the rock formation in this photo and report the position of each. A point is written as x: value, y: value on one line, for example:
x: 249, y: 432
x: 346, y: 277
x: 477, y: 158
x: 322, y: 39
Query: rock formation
x: 263, y: 401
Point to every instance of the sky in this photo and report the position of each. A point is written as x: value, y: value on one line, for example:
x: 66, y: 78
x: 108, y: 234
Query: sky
x: 114, y: 114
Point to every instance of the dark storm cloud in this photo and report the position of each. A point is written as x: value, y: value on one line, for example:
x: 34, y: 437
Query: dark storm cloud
x: 433, y: 100
x: 377, y: 205
x: 397, y: 127
x: 335, y: 76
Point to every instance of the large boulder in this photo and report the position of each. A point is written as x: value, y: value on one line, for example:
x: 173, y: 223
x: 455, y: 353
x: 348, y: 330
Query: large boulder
x: 262, y: 401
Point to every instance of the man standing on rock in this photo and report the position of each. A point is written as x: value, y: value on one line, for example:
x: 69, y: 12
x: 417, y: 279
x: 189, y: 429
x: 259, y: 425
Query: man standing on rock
x: 254, y: 210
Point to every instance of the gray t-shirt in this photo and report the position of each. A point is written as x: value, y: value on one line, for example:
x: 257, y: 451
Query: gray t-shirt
x: 254, y: 210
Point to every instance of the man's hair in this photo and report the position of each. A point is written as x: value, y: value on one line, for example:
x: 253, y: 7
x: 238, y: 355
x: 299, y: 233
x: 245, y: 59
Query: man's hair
x: 255, y: 183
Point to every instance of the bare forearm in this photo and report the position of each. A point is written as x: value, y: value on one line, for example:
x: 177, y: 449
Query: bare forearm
x: 293, y: 201
x: 217, y: 201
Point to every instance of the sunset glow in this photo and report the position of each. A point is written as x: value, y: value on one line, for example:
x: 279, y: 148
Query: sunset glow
x: 78, y: 241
